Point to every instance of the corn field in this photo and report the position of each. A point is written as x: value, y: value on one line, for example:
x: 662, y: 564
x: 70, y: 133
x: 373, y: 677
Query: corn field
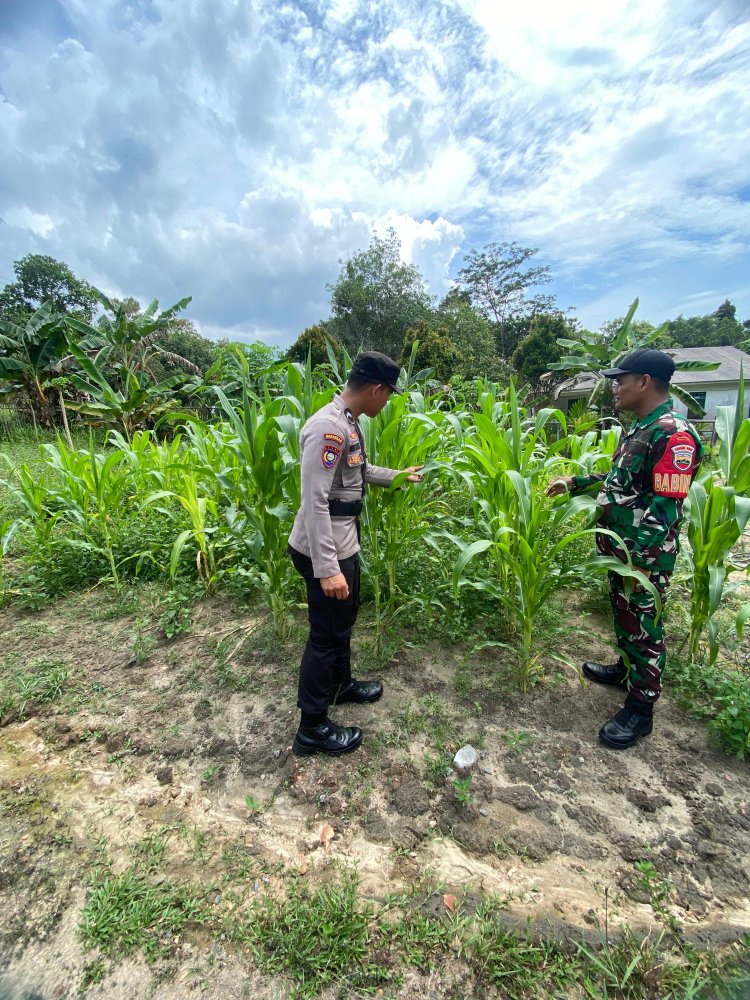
x: 213, y: 501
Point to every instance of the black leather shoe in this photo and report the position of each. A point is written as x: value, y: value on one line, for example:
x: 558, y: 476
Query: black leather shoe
x: 360, y: 692
x: 615, y: 674
x: 625, y: 728
x: 327, y: 738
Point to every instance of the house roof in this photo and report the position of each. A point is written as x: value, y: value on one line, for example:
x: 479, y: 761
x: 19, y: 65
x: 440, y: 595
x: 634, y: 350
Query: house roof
x: 730, y: 359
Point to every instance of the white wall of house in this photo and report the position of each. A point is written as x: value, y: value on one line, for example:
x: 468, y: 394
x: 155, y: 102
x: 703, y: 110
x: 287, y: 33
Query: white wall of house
x: 722, y: 395
x: 725, y: 395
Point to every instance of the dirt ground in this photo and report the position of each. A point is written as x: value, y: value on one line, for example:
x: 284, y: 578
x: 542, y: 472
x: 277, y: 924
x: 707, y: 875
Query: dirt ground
x: 552, y: 822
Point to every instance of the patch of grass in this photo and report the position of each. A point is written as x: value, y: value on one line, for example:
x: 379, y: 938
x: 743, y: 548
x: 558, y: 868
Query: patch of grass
x: 23, y: 688
x: 328, y: 935
x: 317, y: 936
x: 129, y: 911
x: 720, y: 695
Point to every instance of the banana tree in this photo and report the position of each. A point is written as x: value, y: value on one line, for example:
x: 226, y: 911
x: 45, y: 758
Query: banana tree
x: 129, y: 407
x: 126, y: 341
x: 591, y: 353
x: 30, y: 357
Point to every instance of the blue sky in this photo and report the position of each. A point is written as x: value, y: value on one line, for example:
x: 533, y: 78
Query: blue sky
x: 237, y: 150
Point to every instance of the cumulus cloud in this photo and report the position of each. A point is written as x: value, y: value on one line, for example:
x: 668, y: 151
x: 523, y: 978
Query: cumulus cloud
x: 237, y: 152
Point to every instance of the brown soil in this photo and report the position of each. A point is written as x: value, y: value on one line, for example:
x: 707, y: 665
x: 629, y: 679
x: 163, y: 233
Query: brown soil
x: 554, y: 821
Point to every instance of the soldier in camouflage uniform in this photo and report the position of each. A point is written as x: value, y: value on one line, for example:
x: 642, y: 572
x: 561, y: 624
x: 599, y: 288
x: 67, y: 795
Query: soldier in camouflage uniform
x: 641, y: 499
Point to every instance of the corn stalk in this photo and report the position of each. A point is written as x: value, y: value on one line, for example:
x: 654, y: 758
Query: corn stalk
x: 716, y: 519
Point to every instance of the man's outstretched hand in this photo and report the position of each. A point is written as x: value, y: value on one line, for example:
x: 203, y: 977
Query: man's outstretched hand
x: 559, y: 486
x: 414, y: 476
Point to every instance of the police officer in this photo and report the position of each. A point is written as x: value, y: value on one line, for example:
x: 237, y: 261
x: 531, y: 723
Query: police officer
x: 640, y: 499
x: 324, y: 546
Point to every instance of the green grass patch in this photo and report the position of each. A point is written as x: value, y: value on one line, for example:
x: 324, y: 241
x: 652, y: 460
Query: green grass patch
x: 317, y: 936
x: 134, y: 910
x: 328, y: 935
x: 23, y: 688
x: 720, y: 695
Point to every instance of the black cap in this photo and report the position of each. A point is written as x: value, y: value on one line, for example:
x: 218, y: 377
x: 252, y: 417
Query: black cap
x: 644, y: 362
x: 377, y: 367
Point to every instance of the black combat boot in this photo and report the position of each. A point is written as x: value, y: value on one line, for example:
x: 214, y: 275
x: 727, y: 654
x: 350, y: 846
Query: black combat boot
x: 360, y: 692
x: 327, y: 738
x: 635, y: 719
x: 615, y: 674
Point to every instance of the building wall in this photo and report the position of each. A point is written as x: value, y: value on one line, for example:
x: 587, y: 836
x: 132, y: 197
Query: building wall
x: 725, y: 396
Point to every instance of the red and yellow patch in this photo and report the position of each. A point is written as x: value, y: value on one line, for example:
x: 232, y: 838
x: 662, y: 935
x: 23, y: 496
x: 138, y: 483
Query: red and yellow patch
x: 673, y: 473
x: 354, y: 458
x: 333, y: 437
x: 330, y: 455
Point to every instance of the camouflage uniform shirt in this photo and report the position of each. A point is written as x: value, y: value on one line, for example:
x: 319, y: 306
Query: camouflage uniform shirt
x: 641, y: 496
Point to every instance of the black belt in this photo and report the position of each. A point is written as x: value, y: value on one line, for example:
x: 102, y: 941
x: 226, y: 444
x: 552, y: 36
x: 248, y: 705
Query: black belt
x: 344, y: 508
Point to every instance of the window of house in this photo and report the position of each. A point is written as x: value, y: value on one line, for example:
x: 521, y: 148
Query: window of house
x: 700, y: 398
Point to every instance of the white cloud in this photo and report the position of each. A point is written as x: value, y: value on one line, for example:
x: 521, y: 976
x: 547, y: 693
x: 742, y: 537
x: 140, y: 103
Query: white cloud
x: 238, y: 151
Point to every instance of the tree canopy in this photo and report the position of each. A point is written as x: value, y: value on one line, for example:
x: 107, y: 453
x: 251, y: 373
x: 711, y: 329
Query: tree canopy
x: 500, y: 283
x: 43, y: 279
x: 377, y: 297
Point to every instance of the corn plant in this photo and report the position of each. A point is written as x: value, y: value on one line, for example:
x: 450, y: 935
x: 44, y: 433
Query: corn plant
x: 93, y: 489
x: 528, y: 538
x: 716, y: 519
x: 733, y: 431
x: 261, y: 449
x: 7, y: 530
x: 397, y: 517
x: 203, y: 515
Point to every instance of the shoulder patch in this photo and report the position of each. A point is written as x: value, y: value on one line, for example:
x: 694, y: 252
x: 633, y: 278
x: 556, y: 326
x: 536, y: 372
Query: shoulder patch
x: 333, y: 437
x: 330, y: 456
x: 673, y: 473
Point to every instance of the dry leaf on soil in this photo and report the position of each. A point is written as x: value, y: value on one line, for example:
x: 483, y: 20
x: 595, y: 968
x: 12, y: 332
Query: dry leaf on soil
x: 326, y: 834
x: 450, y: 902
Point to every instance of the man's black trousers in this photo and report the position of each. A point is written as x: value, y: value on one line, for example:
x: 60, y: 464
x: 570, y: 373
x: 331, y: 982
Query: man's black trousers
x: 326, y: 662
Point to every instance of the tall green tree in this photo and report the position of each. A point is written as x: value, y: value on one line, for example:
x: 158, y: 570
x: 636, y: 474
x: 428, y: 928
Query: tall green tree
x: 470, y: 332
x: 43, y: 279
x: 435, y: 350
x: 377, y: 297
x: 501, y: 281
x: 717, y: 329
x: 539, y: 350
x: 314, y: 341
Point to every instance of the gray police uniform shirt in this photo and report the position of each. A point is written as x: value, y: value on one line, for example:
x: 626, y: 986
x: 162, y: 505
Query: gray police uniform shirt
x: 332, y: 460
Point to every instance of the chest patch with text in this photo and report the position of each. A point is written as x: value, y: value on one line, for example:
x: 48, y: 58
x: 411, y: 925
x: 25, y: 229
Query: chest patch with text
x: 673, y: 473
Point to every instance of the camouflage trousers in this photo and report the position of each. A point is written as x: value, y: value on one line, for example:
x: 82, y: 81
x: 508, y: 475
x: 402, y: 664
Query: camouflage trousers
x: 640, y: 635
